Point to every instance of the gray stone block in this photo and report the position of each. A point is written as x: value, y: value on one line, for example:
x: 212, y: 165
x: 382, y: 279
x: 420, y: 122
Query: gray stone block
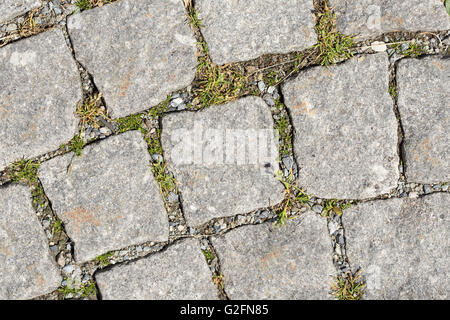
x: 107, y: 198
x: 223, y: 163
x: 238, y: 30
x: 370, y: 18
x: 138, y: 51
x: 40, y: 88
x: 424, y: 106
x: 270, y: 262
x: 27, y: 268
x: 179, y: 272
x: 345, y: 130
x: 402, y: 246
x: 10, y: 9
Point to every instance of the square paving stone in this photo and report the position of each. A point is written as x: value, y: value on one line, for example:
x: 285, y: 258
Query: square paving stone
x: 292, y: 262
x: 180, y: 272
x: 402, y: 246
x: 10, y: 9
x: 345, y: 137
x: 107, y: 198
x: 27, y: 269
x: 370, y: 18
x: 138, y: 51
x: 238, y: 30
x: 39, y: 91
x: 424, y: 106
x: 224, y: 159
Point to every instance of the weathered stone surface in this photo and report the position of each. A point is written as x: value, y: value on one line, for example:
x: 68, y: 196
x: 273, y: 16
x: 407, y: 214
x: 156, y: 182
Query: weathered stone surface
x: 107, y: 198
x: 221, y: 160
x: 138, y: 51
x: 345, y: 138
x: 39, y: 90
x: 10, y: 9
x: 402, y: 246
x: 269, y: 262
x: 178, y: 273
x: 424, y: 106
x: 243, y: 30
x: 369, y: 18
x: 27, y: 268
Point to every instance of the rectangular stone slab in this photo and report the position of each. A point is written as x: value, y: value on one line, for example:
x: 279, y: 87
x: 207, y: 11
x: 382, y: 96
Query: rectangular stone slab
x: 39, y: 91
x: 370, y: 18
x: 107, y: 198
x: 27, y: 269
x: 179, y: 272
x: 345, y: 130
x: 209, y: 153
x: 269, y: 262
x: 424, y: 105
x: 239, y: 30
x: 402, y: 246
x: 138, y: 51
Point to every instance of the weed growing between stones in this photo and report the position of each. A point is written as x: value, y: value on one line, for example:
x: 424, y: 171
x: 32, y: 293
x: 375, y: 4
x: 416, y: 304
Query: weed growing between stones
x: 217, y: 84
x: 90, y: 110
x: 348, y: 288
x: 89, y: 4
x: 85, y: 290
x: 213, y: 262
x: 295, y: 199
x: 282, y: 124
x: 333, y: 46
x: 133, y: 122
x: 411, y: 49
x: 24, y: 171
x: 335, y: 206
x: 103, y: 260
x: 77, y: 144
x: 192, y: 15
x: 208, y: 254
x: 165, y: 180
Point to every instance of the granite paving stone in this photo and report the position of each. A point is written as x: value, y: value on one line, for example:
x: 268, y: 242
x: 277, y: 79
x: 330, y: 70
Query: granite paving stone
x: 224, y: 159
x: 424, y: 106
x: 107, y: 198
x: 180, y: 272
x: 402, y: 246
x: 370, y: 18
x: 27, y: 269
x: 137, y: 51
x: 271, y: 262
x: 345, y: 130
x: 39, y: 91
x: 239, y: 30
x: 10, y: 9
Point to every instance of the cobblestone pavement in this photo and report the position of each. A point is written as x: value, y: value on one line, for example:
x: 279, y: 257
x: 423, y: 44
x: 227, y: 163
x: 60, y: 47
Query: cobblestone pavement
x: 178, y: 149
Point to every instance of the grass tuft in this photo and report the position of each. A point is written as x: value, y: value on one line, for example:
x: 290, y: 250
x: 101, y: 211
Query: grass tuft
x: 89, y: 4
x: 333, y: 46
x: 334, y: 206
x: 295, y: 198
x: 348, y: 288
x: 413, y: 49
x: 24, y: 171
x: 165, y: 180
x: 76, y: 145
x: 90, y: 110
x: 217, y: 84
x: 103, y: 260
x: 132, y: 122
